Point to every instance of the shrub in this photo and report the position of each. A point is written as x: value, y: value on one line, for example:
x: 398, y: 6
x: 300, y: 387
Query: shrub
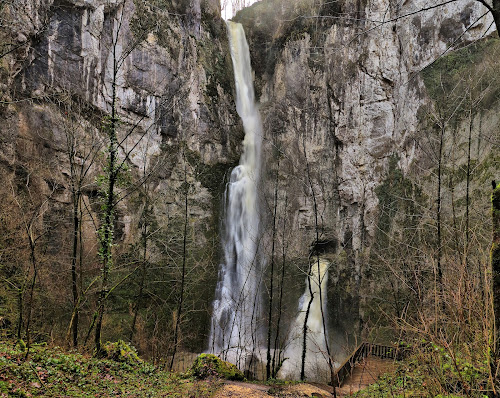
x: 120, y: 351
x: 209, y: 365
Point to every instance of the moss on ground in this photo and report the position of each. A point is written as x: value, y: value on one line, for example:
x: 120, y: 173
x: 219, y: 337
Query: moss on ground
x: 53, y: 372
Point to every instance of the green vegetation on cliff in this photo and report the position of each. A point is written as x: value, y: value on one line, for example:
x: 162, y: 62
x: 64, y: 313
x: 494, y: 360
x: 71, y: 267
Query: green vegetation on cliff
x: 466, y: 78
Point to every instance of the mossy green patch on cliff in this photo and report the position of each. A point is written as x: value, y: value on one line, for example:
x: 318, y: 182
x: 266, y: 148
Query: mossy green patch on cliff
x: 396, y: 193
x: 213, y: 177
x: 465, y: 79
x: 218, y: 68
x: 487, y: 169
x: 154, y: 17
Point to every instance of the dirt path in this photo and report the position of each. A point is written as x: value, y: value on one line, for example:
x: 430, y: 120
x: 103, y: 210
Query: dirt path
x: 251, y: 390
x: 364, y: 374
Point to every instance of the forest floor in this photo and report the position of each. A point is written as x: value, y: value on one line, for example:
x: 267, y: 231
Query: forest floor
x: 55, y: 372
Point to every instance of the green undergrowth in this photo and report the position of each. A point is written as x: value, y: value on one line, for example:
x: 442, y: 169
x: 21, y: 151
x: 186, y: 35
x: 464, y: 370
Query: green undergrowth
x: 432, y: 370
x: 209, y: 366
x: 53, y: 372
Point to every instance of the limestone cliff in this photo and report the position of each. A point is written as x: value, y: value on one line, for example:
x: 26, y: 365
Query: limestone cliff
x: 346, y: 109
x: 349, y: 121
x: 178, y: 125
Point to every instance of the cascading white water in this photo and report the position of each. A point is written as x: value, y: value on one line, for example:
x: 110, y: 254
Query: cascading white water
x: 316, y: 363
x: 237, y: 304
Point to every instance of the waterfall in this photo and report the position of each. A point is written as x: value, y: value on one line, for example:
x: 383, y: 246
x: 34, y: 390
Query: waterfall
x: 237, y: 305
x: 316, y: 365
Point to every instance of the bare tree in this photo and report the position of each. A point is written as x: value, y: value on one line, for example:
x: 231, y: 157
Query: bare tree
x: 185, y: 188
x: 495, y: 268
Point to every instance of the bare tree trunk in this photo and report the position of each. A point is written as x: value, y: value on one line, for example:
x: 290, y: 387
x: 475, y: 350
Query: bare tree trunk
x: 495, y: 268
x: 143, y: 271
x: 183, y: 276
x: 316, y: 227
x: 20, y: 308
x: 74, y: 254
x: 438, y: 217
x: 495, y: 12
x: 144, y: 240
x: 32, y: 246
x: 271, y: 288
x: 304, y: 332
x: 467, y: 191
x: 280, y: 301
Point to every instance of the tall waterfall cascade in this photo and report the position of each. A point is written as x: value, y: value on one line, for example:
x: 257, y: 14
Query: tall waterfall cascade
x: 237, y: 306
x: 316, y: 364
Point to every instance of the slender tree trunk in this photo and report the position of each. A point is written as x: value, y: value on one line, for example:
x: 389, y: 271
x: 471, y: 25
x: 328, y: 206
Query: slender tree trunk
x: 107, y: 228
x: 74, y: 254
x: 20, y: 308
x: 467, y: 192
x: 316, y: 227
x: 438, y: 218
x: 106, y: 247
x: 271, y: 288
x: 280, y: 301
x: 304, y: 331
x: 32, y: 289
x: 106, y: 232
x: 495, y: 11
x: 143, y: 274
x: 323, y: 318
x: 452, y: 194
x: 144, y: 241
x: 183, y: 276
x: 495, y: 268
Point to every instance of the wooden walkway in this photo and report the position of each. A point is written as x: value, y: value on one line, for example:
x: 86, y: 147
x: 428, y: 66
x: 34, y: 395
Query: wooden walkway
x: 363, y: 374
x: 363, y: 351
x: 364, y: 366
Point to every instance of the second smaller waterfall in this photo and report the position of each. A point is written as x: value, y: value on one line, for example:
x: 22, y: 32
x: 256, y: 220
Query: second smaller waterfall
x: 316, y: 353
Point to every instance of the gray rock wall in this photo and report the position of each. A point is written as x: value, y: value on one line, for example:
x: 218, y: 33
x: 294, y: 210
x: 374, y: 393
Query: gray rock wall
x: 341, y: 94
x: 177, y: 123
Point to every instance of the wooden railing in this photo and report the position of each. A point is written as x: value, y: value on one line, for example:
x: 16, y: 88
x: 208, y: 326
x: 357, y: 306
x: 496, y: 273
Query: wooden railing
x: 361, y: 352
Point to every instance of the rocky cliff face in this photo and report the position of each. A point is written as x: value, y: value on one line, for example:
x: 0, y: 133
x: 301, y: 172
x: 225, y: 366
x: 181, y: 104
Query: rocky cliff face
x: 345, y: 105
x: 345, y: 109
x: 178, y: 123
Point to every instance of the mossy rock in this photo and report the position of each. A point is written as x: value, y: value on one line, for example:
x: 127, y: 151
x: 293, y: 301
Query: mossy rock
x: 209, y: 365
x: 21, y: 345
x: 120, y: 351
